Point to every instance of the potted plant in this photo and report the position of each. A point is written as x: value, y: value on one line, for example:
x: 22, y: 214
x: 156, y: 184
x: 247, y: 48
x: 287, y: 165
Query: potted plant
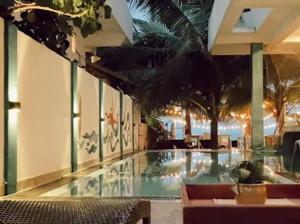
x: 250, y: 179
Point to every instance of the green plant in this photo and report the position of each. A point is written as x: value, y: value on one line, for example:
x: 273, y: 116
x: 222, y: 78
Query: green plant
x: 249, y: 172
x: 51, y: 21
x: 172, y: 57
x: 157, y: 132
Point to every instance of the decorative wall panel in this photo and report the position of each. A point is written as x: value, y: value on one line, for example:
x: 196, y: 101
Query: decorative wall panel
x: 88, y: 104
x: 111, y: 123
x: 127, y: 127
x: 44, y: 118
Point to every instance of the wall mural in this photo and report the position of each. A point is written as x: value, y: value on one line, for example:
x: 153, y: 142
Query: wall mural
x: 127, y: 128
x: 92, y: 185
x: 114, y: 181
x: 137, y: 119
x: 118, y: 180
x: 88, y: 186
x: 111, y: 124
x: 110, y: 137
x: 127, y: 132
x: 87, y: 127
x: 111, y: 182
x: 89, y: 142
x: 127, y: 178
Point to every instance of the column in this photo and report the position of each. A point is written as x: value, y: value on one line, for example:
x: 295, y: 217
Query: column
x: 101, y: 117
x: 11, y: 108
x: 75, y: 116
x: 257, y: 96
x: 121, y: 122
x: 133, y: 126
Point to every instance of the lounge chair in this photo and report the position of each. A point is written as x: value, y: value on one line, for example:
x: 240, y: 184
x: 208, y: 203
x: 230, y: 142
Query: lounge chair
x: 74, y: 210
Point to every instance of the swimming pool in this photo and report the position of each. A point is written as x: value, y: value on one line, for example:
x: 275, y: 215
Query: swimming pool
x: 161, y: 173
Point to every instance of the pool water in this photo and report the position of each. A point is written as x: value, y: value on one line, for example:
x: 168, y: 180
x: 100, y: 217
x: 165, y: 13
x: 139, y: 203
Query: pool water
x: 161, y: 173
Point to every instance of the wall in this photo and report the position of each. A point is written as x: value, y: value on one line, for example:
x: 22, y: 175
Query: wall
x: 43, y: 88
x: 137, y: 121
x: 1, y: 105
x: 127, y: 127
x: 44, y: 118
x: 215, y: 20
x: 122, y: 14
x: 111, y: 124
x: 143, y: 136
x: 88, y: 97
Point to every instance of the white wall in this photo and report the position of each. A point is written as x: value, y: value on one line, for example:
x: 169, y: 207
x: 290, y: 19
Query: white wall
x: 217, y: 15
x: 111, y: 124
x: 122, y: 14
x: 137, y: 121
x: 1, y: 101
x: 44, y: 118
x: 127, y: 128
x: 88, y: 97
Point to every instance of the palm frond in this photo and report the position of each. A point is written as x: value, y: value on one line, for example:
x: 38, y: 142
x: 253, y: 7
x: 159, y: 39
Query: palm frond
x: 131, y: 58
x: 197, y: 12
x: 151, y: 27
x: 139, y: 8
x: 293, y: 92
x: 170, y: 11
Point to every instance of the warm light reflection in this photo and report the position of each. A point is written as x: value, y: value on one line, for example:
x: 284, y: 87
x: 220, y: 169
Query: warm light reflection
x: 13, y: 116
x: 271, y: 172
x: 13, y: 94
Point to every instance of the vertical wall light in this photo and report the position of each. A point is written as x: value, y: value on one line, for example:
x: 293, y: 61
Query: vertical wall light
x: 11, y: 108
x: 75, y: 116
x: 121, y: 121
x: 101, y: 118
x: 133, y: 126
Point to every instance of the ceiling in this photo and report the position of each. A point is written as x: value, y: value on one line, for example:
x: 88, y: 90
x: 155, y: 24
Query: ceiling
x: 235, y: 24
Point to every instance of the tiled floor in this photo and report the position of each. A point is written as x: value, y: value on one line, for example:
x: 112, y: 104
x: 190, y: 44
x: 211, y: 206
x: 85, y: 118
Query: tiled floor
x: 164, y: 212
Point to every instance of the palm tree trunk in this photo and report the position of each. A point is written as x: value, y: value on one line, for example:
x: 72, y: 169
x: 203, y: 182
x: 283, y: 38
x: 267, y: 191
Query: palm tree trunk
x: 214, y: 115
x: 188, y: 127
x: 214, y: 168
x: 214, y: 132
x: 188, y: 164
x: 247, y: 129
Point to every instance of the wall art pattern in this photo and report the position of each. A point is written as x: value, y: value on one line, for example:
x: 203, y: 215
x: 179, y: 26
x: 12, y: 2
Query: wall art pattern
x: 127, y: 127
x: 111, y: 123
x: 88, y: 120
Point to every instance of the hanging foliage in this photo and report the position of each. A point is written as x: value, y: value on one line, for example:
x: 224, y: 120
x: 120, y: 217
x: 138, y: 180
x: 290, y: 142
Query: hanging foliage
x: 51, y: 21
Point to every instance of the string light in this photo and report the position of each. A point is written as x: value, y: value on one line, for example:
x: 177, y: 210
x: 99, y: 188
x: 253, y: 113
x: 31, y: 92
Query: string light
x: 270, y: 126
x: 205, y: 122
x: 269, y: 116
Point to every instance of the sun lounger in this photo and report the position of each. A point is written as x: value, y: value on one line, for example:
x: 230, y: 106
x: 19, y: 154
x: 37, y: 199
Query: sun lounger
x: 74, y: 210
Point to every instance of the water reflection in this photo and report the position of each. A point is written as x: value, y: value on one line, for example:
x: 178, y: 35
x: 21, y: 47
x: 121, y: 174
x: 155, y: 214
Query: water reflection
x: 160, y: 174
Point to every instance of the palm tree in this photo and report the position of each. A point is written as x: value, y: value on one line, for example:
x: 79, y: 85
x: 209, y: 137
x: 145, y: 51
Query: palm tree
x: 282, y: 80
x: 172, y: 57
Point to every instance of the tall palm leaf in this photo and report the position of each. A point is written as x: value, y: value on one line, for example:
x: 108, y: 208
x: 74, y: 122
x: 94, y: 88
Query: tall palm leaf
x: 183, y: 16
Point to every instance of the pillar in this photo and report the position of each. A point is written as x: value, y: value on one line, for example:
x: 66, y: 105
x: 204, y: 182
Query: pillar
x: 75, y: 116
x: 11, y: 108
x: 257, y: 122
x: 101, y: 117
x: 121, y: 122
